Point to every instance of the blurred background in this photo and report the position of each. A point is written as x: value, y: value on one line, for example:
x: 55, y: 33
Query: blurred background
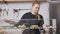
x: 14, y: 9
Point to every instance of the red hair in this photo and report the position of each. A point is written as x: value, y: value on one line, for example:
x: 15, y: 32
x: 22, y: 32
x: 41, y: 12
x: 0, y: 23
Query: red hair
x: 35, y: 2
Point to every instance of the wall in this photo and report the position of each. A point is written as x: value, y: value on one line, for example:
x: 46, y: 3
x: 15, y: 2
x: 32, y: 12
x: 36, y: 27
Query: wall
x: 44, y: 10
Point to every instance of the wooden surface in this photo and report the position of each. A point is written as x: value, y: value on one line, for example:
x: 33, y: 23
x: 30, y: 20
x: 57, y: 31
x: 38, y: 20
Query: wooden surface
x: 24, y: 0
x: 1, y: 0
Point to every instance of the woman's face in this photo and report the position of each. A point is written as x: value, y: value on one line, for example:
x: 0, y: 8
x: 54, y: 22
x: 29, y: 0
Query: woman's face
x: 35, y: 8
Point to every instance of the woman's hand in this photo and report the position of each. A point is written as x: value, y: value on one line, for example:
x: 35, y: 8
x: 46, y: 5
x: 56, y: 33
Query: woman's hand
x: 46, y: 25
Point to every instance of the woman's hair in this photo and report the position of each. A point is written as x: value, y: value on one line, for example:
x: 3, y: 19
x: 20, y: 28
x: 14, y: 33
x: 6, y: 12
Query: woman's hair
x: 35, y: 2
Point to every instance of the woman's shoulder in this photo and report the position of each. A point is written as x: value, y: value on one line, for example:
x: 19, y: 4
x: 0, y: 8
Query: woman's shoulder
x: 27, y: 13
x: 41, y: 16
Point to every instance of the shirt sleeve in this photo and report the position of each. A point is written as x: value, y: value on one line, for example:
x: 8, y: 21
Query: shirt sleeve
x: 41, y: 22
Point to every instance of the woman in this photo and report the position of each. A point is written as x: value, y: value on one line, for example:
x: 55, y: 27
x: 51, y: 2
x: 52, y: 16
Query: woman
x: 31, y: 19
